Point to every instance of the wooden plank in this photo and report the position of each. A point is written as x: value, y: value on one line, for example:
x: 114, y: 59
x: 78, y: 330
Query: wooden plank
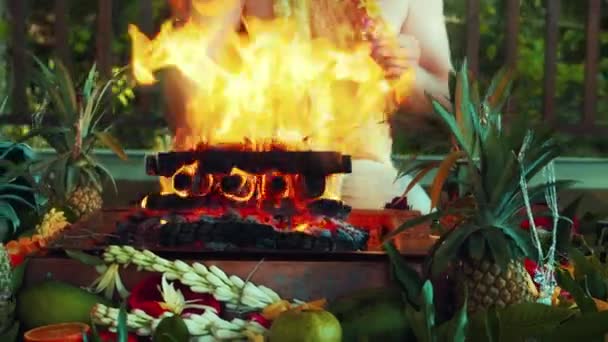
x: 591, y: 63
x: 472, y: 50
x: 62, y: 47
x: 19, y: 58
x: 104, y: 37
x: 550, y: 72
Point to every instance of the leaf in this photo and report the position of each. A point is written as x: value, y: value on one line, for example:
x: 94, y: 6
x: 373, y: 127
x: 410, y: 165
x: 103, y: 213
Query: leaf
x: 408, y: 278
x: 8, y: 212
x: 442, y: 174
x: 171, y: 329
x: 497, y: 246
x: 521, y: 238
x: 588, y: 275
x: 587, y: 327
x: 449, y: 246
x: 94, y: 333
x: 419, y: 176
x: 84, y: 258
x: 413, y: 223
x: 449, y: 120
x: 417, y: 322
x: 498, y: 92
x: 526, y: 320
x: 582, y: 299
x: 476, y: 246
x: 122, y: 330
x: 113, y: 144
x: 18, y: 273
x: 428, y: 308
x: 456, y: 328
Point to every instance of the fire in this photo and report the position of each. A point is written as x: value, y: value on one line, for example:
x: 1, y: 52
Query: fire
x: 273, y: 86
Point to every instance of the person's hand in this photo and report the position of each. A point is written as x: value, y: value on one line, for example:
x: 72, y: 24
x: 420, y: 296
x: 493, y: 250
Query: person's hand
x: 396, y: 56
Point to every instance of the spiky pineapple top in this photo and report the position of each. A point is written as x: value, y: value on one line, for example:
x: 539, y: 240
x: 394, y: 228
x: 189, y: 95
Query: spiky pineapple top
x: 78, y: 124
x: 495, y: 160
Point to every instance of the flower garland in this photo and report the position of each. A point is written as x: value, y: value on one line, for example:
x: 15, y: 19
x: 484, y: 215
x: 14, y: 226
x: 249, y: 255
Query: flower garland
x: 53, y: 223
x: 201, y: 279
x: 185, y: 297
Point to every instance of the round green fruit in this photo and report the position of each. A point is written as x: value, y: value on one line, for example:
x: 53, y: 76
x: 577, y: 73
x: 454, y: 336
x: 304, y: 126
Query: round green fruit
x: 51, y: 302
x: 373, y: 315
x: 305, y: 326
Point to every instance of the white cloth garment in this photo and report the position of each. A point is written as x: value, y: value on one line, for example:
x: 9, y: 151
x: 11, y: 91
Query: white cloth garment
x: 372, y: 184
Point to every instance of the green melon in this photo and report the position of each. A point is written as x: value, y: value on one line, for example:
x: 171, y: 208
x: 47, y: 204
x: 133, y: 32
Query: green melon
x: 305, y: 326
x: 51, y: 301
x: 372, y: 315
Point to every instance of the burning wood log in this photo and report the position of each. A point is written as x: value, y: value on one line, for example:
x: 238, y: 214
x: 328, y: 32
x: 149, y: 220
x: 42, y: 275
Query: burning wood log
x: 308, y: 163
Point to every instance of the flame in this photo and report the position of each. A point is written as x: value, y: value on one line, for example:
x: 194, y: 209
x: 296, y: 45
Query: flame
x: 273, y: 86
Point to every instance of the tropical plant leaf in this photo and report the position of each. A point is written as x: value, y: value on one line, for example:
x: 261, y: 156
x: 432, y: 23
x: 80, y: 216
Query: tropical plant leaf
x: 112, y: 143
x: 476, y: 246
x: 583, y: 300
x: 521, y: 238
x: 497, y: 246
x: 452, y: 125
x: 588, y: 275
x: 84, y: 258
x: 590, y: 326
x: 523, y: 321
x: 453, y: 242
x: 499, y: 89
x: 413, y: 223
x: 428, y: 308
x: 408, y: 279
x: 122, y: 330
x: 8, y: 212
x: 171, y: 329
x: 442, y: 175
x: 456, y: 328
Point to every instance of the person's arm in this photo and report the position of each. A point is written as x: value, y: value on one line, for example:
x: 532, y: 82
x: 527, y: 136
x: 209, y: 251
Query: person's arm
x: 425, y: 22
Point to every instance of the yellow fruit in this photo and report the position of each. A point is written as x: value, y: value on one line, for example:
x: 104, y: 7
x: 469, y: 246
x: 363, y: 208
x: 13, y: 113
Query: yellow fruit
x: 85, y: 200
x: 305, y: 326
x: 488, y: 285
x: 51, y: 302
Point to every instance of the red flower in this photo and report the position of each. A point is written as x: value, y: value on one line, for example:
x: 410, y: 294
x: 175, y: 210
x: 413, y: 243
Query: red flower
x: 16, y: 259
x: 261, y: 320
x: 546, y: 222
x: 146, y: 296
x: 108, y: 336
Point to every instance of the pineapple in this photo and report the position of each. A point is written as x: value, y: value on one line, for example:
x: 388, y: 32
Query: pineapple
x: 483, y: 254
x: 7, y: 298
x: 74, y: 178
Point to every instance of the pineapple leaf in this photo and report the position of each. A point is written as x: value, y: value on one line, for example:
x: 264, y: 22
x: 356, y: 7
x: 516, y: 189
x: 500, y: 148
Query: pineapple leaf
x: 8, y: 212
x: 452, y: 125
x: 442, y: 174
x: 407, y: 277
x: 47, y: 79
x: 112, y: 143
x: 450, y: 247
x: 419, y: 176
x: 476, y: 247
x: 497, y: 246
x: 521, y: 240
x: 413, y: 223
x: 67, y: 85
x: 499, y: 89
x: 72, y: 178
x: 90, y: 82
x: 510, y: 171
x: 583, y: 300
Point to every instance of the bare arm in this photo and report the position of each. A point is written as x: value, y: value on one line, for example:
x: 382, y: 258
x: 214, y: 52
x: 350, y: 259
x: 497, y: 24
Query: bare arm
x: 426, y: 23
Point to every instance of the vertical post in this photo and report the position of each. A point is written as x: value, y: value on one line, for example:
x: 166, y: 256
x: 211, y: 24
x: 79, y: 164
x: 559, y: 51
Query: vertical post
x: 62, y: 47
x: 551, y: 45
x: 18, y: 56
x: 591, y: 63
x: 512, y: 28
x: 472, y: 51
x: 104, y: 37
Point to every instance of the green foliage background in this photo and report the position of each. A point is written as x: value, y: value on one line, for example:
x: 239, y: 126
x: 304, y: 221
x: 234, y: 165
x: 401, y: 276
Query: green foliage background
x: 528, y: 91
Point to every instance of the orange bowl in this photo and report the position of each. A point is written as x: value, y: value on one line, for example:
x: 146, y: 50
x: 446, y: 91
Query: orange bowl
x: 63, y: 332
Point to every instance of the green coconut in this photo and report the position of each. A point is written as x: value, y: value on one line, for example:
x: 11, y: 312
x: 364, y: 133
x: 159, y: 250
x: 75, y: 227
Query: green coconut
x: 305, y: 326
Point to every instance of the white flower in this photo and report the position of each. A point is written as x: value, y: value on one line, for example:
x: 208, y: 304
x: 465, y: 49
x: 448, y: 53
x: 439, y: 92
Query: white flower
x: 174, y: 301
x: 108, y: 281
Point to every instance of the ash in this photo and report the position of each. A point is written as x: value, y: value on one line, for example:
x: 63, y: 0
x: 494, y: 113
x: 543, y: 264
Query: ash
x: 232, y: 231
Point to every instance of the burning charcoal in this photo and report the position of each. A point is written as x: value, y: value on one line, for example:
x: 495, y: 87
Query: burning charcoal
x: 323, y: 244
x: 277, y: 185
x: 232, y: 183
x: 359, y: 237
x: 329, y: 208
x: 314, y: 186
x: 182, y: 181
